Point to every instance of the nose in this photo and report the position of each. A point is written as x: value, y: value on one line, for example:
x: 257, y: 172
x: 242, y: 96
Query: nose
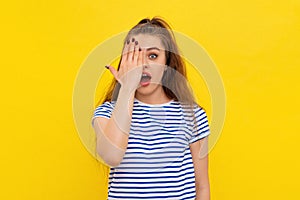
x: 145, y: 63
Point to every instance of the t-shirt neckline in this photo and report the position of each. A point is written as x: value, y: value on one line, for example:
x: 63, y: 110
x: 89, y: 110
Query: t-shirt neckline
x: 154, y: 105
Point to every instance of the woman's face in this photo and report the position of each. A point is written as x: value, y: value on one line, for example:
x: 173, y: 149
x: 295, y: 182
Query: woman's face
x: 154, y: 64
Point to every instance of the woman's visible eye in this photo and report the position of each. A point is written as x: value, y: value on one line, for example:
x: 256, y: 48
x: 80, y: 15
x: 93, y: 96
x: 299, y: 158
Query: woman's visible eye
x: 153, y: 56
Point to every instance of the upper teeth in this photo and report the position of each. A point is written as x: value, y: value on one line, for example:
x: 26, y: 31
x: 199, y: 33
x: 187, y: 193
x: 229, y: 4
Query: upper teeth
x: 144, y: 74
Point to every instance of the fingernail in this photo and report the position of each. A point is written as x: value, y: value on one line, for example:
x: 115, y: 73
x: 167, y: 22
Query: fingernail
x: 128, y: 41
x: 107, y: 67
x: 132, y: 40
x: 136, y: 42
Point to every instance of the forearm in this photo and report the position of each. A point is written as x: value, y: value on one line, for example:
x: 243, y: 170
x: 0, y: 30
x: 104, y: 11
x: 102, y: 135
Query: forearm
x: 203, y: 193
x: 201, y: 169
x: 122, y: 114
x: 112, y: 139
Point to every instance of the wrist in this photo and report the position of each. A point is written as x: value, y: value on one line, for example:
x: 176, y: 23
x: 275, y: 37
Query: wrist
x: 123, y: 109
x: 126, y: 92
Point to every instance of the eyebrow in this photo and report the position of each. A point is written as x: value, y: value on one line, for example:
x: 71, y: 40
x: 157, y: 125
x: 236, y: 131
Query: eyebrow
x: 153, y: 48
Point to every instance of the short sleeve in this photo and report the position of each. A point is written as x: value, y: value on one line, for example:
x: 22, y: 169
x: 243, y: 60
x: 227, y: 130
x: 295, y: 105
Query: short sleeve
x: 201, y: 126
x: 104, y: 110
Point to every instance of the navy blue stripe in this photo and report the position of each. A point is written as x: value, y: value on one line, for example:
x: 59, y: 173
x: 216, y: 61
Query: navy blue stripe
x: 154, y: 153
x: 144, y: 167
x: 152, y: 172
x: 156, y: 196
x: 198, y: 129
x: 153, y: 163
x: 154, y: 148
x: 191, y: 175
x: 160, y: 182
x: 153, y: 187
x: 158, y: 157
x: 157, y: 139
x: 156, y: 143
x: 157, y: 192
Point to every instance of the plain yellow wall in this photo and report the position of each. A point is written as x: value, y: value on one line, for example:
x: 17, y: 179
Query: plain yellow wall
x: 255, y: 45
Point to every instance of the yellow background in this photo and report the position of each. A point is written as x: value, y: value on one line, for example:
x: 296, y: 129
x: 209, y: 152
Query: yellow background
x: 255, y: 45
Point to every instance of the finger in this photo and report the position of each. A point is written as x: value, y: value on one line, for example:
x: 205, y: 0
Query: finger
x: 131, y: 50
x: 140, y: 58
x: 144, y: 57
x: 136, y: 52
x: 123, y: 63
x: 113, y: 71
x: 125, y: 51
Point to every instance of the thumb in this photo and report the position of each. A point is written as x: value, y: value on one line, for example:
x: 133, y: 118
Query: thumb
x: 113, y: 71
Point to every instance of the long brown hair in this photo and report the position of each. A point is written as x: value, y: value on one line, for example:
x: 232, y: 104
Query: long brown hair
x: 174, y: 80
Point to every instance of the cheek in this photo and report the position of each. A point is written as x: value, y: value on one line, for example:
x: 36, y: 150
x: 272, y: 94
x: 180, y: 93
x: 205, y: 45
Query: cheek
x: 157, y: 74
x: 162, y: 60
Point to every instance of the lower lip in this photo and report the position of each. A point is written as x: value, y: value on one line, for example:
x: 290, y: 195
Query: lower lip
x: 144, y: 84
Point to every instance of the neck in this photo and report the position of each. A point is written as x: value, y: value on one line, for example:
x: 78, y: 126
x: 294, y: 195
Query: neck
x: 156, y: 97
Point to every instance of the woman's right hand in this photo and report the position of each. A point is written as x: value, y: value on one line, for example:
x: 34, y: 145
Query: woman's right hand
x: 130, y: 71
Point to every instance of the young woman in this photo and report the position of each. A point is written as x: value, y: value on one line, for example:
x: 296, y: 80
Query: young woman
x: 149, y: 130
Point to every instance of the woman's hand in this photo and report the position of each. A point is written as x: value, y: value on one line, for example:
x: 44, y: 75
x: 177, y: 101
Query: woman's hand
x: 130, y: 71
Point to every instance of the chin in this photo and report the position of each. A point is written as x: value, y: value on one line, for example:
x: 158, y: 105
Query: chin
x: 147, y: 90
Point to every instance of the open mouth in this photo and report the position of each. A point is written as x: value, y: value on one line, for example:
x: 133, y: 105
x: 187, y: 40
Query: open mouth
x: 145, y: 79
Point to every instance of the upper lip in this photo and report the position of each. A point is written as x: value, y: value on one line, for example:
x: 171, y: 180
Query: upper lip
x: 147, y: 73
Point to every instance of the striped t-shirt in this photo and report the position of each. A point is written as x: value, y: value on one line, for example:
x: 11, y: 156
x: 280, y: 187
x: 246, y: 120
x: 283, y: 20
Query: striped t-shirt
x: 157, y: 163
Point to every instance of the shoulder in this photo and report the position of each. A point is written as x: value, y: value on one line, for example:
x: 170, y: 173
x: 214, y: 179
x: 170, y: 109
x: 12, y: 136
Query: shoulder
x: 106, y: 105
x: 104, y: 110
x: 191, y: 108
x: 198, y: 109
